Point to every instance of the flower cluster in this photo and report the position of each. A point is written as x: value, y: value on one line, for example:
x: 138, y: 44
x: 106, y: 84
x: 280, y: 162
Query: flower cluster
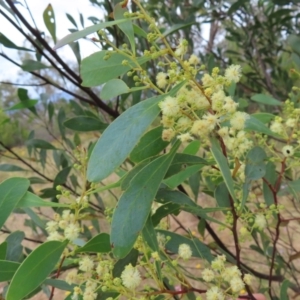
x: 220, y: 275
x: 197, y: 110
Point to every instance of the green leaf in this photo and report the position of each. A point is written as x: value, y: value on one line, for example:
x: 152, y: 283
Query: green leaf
x: 49, y: 20
x: 222, y: 195
x: 192, y: 148
x: 35, y: 269
x: 149, y: 145
x: 9, y: 44
x: 283, y: 290
x: 11, y: 191
x: 134, y: 205
x: 14, y: 246
x: 126, y: 179
x: 175, y: 180
x: 265, y: 99
x: 23, y: 96
x: 32, y: 200
x: 139, y: 31
x: 30, y: 65
x: 163, y: 211
x: 255, y: 125
x: 3, y: 249
x: 198, y: 248
x: 263, y: 117
x: 223, y: 166
x: 10, y: 168
x: 83, y: 33
x: 62, y: 176
x: 7, y: 269
x: 59, y: 284
x: 113, y: 88
x: 149, y: 235
x: 23, y: 104
x: 254, y: 170
x: 40, y: 144
x: 165, y: 196
x: 96, y: 70
x: 98, y: 244
x: 122, y: 135
x: 126, y: 27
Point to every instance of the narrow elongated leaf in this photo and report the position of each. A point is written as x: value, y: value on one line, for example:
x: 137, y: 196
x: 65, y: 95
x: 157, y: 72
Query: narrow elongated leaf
x: 96, y: 70
x: 98, y: 244
x: 35, y: 269
x: 198, y: 248
x: 223, y: 166
x: 126, y: 27
x: 175, y: 180
x: 134, y: 205
x: 265, y: 99
x: 149, y: 235
x: 10, y: 168
x: 283, y: 290
x: 192, y: 148
x: 23, y: 104
x: 59, y: 284
x: 9, y: 44
x: 14, y: 250
x: 49, y: 20
x: 3, y: 249
x: 165, y: 196
x: 121, y: 136
x: 255, y: 125
x: 163, y: 211
x: 62, y: 176
x: 30, y: 65
x: 11, y: 191
x: 83, y: 33
x: 7, y: 269
x: 149, y: 145
x: 32, y: 200
x: 84, y: 123
x: 263, y: 117
x: 40, y: 144
x: 113, y: 88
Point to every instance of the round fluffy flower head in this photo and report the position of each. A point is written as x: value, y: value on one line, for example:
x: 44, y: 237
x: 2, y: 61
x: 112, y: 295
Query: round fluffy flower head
x: 51, y: 226
x: 277, y: 127
x: 162, y: 80
x: 131, y: 277
x: 72, y: 231
x: 208, y: 275
x: 236, y: 284
x: 86, y: 264
x: 218, y: 263
x: 238, y: 120
x: 185, y: 251
x: 248, y: 279
x: 168, y: 134
x: 89, y: 294
x: 260, y: 221
x: 288, y: 150
x: 169, y: 106
x: 185, y: 137
x: 291, y: 122
x: 72, y: 277
x: 233, y: 73
x: 182, y: 48
x: 194, y: 60
x: 214, y: 293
